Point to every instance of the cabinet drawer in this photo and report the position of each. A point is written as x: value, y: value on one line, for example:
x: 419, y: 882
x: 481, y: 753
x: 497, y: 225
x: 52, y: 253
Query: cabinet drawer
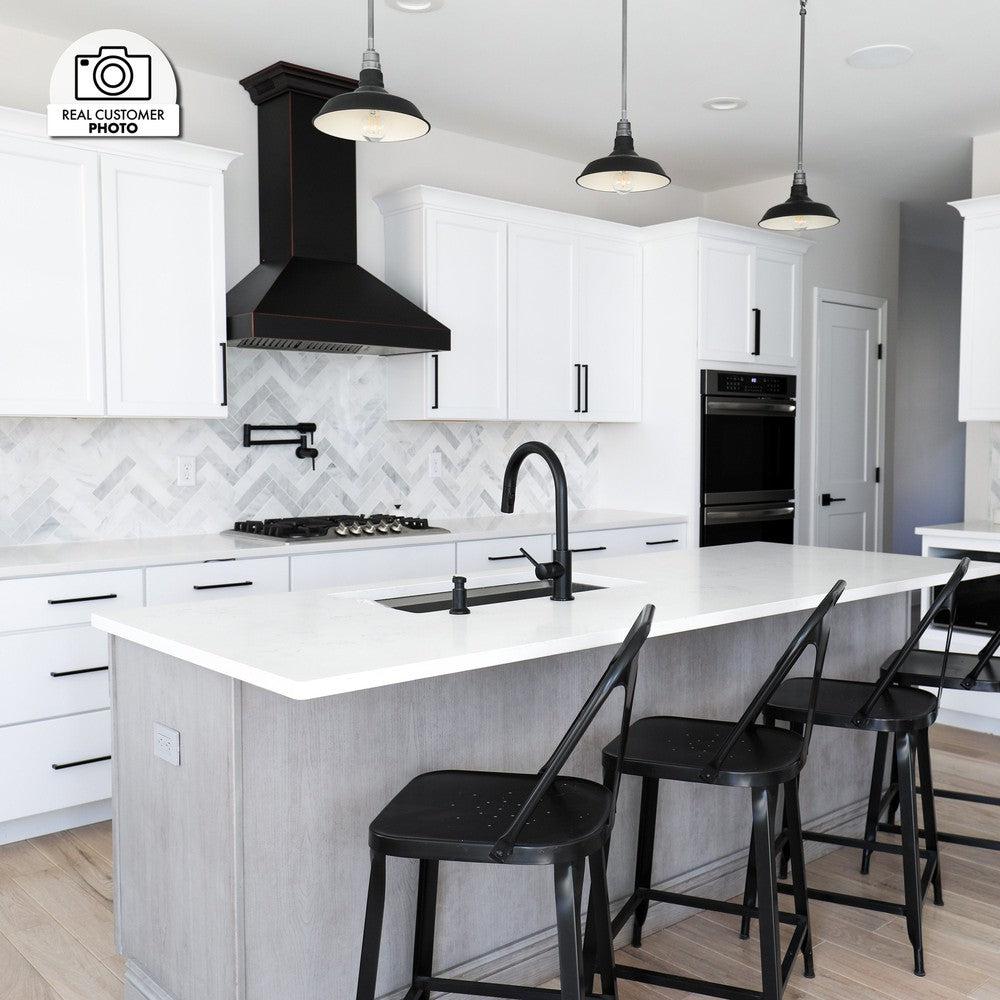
x: 587, y: 545
x: 34, y: 786
x: 343, y: 569
x: 66, y: 600
x: 52, y: 673
x: 206, y: 581
x: 501, y: 553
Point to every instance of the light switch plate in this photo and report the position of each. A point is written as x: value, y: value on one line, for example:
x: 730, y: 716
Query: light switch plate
x: 167, y: 744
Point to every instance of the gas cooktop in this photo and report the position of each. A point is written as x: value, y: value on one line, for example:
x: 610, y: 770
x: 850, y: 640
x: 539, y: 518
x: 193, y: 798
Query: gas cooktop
x: 336, y: 526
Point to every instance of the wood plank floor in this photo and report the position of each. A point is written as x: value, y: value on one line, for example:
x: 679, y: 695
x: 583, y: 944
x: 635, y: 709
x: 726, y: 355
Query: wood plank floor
x: 56, y: 933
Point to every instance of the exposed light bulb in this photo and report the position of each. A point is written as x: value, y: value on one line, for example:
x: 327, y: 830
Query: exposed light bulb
x: 800, y: 223
x: 624, y: 182
x: 373, y: 129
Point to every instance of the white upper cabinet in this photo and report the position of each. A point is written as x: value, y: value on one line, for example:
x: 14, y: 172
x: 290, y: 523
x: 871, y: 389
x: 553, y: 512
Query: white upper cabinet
x: 542, y: 307
x: 610, y: 348
x: 979, y: 366
x: 164, y: 277
x: 112, y: 285
x: 750, y: 300
x: 50, y: 268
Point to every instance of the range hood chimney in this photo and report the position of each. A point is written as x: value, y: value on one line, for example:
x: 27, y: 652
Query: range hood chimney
x: 308, y: 292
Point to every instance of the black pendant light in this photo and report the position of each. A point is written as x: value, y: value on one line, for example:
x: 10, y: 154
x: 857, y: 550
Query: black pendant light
x: 623, y: 171
x: 800, y: 212
x: 371, y: 113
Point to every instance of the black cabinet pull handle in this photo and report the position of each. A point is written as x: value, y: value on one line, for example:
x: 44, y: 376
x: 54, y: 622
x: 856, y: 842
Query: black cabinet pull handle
x: 595, y: 548
x: 665, y: 541
x: 586, y: 388
x: 222, y: 586
x: 756, y: 333
x: 81, y: 600
x: 435, y: 404
x: 520, y: 555
x: 74, y: 673
x: 225, y: 376
x: 80, y: 763
x: 579, y: 391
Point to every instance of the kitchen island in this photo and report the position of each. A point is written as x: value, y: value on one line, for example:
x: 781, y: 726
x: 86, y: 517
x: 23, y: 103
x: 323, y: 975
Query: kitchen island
x: 241, y: 871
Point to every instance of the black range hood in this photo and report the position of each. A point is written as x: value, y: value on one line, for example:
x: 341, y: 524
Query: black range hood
x: 308, y: 293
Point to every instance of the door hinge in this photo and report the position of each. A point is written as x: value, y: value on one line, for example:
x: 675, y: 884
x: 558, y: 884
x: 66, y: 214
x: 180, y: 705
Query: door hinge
x: 879, y: 352
x: 878, y: 474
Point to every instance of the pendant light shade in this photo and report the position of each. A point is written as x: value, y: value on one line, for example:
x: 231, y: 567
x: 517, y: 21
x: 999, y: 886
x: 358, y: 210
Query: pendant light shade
x: 623, y: 170
x: 800, y: 213
x: 371, y: 113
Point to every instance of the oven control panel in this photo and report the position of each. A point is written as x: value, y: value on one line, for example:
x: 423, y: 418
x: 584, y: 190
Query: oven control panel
x: 748, y: 384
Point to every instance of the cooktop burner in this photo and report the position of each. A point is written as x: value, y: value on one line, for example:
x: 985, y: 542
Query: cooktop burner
x: 332, y: 527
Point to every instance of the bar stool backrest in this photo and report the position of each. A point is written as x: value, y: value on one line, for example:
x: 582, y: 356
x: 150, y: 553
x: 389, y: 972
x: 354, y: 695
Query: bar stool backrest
x: 945, y: 597
x: 814, y: 632
x: 621, y: 673
x: 983, y: 661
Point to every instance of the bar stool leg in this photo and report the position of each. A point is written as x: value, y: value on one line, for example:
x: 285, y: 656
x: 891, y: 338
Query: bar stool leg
x: 372, y: 938
x: 793, y: 826
x: 927, y: 807
x: 423, y: 938
x: 893, y: 803
x: 799, y: 729
x: 875, y: 799
x: 644, y: 853
x: 764, y: 809
x: 598, y: 948
x: 749, y: 890
x: 911, y: 847
x: 568, y: 890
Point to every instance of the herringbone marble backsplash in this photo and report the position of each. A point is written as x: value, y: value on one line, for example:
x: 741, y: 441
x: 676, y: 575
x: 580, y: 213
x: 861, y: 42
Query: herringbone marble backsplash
x: 74, y: 479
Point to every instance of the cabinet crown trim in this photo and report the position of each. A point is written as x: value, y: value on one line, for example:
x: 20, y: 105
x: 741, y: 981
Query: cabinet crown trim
x: 700, y: 226
x: 970, y: 208
x: 30, y: 125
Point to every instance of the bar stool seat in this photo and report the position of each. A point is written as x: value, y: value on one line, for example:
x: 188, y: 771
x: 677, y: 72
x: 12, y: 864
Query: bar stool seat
x: 679, y: 749
x: 839, y: 702
x: 923, y: 669
x: 460, y: 815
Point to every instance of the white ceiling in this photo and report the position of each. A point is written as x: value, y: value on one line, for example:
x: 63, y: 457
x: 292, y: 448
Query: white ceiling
x: 543, y: 74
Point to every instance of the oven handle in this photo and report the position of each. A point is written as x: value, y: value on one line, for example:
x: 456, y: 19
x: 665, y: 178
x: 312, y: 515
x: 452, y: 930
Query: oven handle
x: 733, y: 515
x: 753, y: 407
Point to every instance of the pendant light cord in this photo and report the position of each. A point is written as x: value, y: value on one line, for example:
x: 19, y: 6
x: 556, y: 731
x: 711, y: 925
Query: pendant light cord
x: 802, y: 79
x: 624, y: 117
x: 371, y: 24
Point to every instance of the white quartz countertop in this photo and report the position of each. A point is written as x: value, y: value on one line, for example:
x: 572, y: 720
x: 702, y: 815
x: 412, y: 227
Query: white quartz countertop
x: 312, y: 644
x: 18, y: 561
x: 963, y: 529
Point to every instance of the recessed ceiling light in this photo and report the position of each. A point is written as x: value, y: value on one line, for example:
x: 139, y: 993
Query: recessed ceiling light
x: 880, y: 56
x: 725, y: 104
x: 414, y: 6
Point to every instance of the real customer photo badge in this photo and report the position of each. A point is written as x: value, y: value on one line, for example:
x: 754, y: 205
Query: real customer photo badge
x: 113, y: 83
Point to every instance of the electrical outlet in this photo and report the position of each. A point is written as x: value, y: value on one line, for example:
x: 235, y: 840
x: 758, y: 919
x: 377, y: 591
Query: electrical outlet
x: 167, y: 744
x: 186, y: 470
x: 434, y: 466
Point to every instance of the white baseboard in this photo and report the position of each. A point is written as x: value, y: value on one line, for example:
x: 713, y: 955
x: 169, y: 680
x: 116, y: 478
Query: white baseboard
x: 966, y: 720
x: 53, y: 822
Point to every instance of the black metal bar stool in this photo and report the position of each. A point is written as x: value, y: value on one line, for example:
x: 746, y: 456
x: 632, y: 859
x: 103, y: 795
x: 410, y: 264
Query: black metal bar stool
x: 737, y: 754
x: 886, y: 709
x: 484, y: 817
x: 963, y: 672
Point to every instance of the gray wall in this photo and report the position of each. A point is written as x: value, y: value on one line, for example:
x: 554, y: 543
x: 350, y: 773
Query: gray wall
x: 928, y: 442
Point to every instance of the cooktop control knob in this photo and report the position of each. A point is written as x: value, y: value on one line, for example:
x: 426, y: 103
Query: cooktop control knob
x: 340, y: 529
x: 355, y: 529
x: 369, y: 529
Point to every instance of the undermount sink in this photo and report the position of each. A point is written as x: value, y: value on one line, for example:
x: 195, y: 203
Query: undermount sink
x: 419, y: 604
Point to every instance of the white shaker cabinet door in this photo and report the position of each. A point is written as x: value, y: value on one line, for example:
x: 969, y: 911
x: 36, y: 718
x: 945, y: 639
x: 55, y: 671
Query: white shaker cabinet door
x: 467, y: 291
x: 164, y: 251
x: 778, y: 290
x: 725, y: 301
x: 610, y: 351
x: 50, y: 280
x: 978, y: 397
x: 542, y: 373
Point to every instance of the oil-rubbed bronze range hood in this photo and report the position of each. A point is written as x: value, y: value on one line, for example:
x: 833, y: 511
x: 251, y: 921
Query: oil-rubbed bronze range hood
x: 308, y: 292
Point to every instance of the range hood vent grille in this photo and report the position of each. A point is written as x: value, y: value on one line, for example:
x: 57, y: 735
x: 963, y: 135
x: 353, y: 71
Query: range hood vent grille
x: 308, y: 293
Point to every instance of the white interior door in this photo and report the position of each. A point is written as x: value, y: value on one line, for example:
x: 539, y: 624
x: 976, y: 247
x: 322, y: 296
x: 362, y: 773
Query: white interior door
x: 847, y: 425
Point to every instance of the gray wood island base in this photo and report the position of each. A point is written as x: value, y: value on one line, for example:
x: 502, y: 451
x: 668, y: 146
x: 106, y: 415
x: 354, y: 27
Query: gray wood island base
x: 241, y: 873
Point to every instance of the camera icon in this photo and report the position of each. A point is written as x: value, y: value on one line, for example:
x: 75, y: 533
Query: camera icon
x: 113, y: 75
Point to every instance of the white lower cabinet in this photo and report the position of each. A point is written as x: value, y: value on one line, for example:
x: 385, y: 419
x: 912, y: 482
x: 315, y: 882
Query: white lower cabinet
x: 501, y: 553
x: 212, y: 580
x: 362, y: 566
x: 59, y: 763
x: 605, y: 543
